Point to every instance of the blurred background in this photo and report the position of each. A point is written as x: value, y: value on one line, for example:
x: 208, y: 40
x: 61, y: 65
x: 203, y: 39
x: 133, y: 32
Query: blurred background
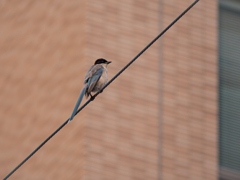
x: 173, y: 114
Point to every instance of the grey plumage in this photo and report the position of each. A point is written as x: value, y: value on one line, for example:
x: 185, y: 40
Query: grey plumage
x: 95, y: 78
x: 77, y: 103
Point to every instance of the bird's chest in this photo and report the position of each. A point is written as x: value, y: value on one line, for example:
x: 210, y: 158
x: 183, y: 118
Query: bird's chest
x: 103, y: 79
x: 101, y: 82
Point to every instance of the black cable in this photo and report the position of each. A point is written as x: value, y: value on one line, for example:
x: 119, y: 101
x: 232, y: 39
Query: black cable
x: 109, y: 82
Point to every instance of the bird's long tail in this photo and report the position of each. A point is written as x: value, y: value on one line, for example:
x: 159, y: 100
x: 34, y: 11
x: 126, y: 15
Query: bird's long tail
x: 77, y: 103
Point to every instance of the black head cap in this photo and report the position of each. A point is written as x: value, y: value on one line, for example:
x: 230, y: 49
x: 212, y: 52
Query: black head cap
x: 102, y: 61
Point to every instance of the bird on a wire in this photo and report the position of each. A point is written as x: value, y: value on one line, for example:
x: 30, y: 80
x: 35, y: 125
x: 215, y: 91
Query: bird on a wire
x: 95, y: 78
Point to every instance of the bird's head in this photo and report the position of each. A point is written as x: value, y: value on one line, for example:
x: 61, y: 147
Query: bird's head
x: 103, y: 62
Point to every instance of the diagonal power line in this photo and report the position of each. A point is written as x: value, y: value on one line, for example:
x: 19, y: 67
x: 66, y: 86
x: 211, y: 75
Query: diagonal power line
x: 109, y: 82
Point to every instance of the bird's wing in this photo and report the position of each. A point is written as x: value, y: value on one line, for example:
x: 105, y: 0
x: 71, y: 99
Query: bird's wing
x: 96, y: 74
x: 92, y: 70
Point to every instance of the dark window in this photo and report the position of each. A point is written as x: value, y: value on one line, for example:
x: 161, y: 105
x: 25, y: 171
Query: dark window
x: 229, y: 89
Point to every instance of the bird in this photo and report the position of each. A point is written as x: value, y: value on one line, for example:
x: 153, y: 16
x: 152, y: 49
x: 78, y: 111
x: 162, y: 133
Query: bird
x: 95, y: 79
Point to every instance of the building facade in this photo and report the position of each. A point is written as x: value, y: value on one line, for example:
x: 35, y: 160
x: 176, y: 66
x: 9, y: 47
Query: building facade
x: 157, y: 120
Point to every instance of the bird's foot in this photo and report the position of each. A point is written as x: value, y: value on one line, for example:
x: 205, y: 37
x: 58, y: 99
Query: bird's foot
x: 92, y: 97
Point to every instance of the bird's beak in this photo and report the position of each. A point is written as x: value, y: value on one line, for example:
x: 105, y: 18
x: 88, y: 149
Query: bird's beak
x: 109, y: 62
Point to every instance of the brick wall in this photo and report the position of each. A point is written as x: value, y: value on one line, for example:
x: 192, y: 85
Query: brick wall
x: 158, y: 120
x: 189, y: 126
x: 122, y: 124
x: 41, y: 67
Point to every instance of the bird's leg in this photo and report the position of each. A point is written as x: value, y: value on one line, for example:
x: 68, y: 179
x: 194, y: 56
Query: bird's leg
x: 92, y: 97
x: 101, y: 90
